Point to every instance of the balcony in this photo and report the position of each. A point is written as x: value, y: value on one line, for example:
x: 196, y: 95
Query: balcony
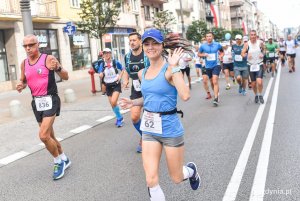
x: 236, y: 15
x: 209, y: 1
x: 236, y: 3
x: 209, y: 16
x: 41, y: 10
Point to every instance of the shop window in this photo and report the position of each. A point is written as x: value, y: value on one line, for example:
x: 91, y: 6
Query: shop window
x: 4, y: 74
x: 80, y: 51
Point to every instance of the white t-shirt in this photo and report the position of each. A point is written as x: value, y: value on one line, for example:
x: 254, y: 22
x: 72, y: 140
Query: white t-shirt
x: 197, y: 59
x: 290, y: 47
x: 227, y: 58
x: 281, y: 45
x: 182, y: 63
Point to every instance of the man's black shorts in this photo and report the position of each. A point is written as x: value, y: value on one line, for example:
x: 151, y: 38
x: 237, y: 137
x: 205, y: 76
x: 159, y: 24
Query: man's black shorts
x: 112, y: 87
x: 228, y: 66
x: 186, y: 70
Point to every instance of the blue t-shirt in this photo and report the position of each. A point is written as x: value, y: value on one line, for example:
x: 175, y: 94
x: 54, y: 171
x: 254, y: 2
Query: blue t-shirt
x: 239, y: 61
x: 212, y: 49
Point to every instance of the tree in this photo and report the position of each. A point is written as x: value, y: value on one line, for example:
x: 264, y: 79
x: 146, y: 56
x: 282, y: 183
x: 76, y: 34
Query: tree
x: 163, y: 20
x: 219, y: 33
x: 196, y: 31
x: 98, y: 16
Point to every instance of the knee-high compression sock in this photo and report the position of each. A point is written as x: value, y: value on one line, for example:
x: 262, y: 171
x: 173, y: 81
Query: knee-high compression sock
x: 187, y: 172
x: 156, y: 194
x: 137, y: 126
x: 117, y: 112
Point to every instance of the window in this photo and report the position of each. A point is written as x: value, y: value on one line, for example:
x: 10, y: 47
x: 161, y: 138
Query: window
x: 4, y: 74
x: 134, y: 5
x: 147, y: 13
x: 75, y: 3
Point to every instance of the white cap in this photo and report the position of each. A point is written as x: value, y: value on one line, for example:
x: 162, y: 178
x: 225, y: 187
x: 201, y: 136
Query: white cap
x: 106, y: 50
x: 245, y: 38
x: 239, y: 37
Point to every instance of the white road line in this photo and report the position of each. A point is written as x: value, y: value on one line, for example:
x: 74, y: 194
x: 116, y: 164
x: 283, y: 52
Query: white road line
x: 258, y: 187
x: 124, y: 111
x: 13, y: 157
x: 80, y: 129
x: 234, y: 184
x: 104, y: 119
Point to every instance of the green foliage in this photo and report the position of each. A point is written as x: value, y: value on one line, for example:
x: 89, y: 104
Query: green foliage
x: 219, y: 33
x: 98, y: 15
x: 196, y: 31
x: 235, y: 32
x: 163, y: 20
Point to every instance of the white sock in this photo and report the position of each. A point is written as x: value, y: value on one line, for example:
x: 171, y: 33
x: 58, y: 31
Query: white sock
x: 57, y: 159
x: 187, y: 172
x: 63, y: 157
x: 156, y: 194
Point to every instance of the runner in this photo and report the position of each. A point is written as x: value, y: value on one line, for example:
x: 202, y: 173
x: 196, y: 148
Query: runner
x: 185, y: 68
x: 96, y: 65
x: 160, y: 118
x: 109, y: 72
x: 38, y: 72
x: 240, y: 65
x: 291, y: 46
x: 211, y: 51
x: 198, y: 64
x: 254, y: 52
x: 271, y: 49
x: 135, y: 60
x: 228, y: 64
x: 282, y: 51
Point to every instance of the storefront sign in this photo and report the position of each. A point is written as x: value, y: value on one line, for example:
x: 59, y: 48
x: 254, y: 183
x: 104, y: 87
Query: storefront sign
x: 118, y: 30
x: 78, y: 39
x: 43, y: 42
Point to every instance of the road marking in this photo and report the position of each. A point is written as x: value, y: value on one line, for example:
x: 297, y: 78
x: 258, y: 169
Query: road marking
x: 235, y: 181
x: 258, y: 187
x: 80, y: 129
x: 13, y: 157
x: 124, y: 111
x: 104, y: 119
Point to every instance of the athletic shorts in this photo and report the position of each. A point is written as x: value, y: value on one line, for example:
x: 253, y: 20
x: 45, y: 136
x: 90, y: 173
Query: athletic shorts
x: 258, y: 74
x: 241, y: 71
x: 271, y: 60
x: 55, y: 110
x: 198, y: 65
x: 186, y: 70
x: 165, y: 141
x: 112, y: 87
x: 213, y: 71
x: 203, y: 70
x: 265, y: 59
x: 282, y: 52
x: 291, y: 55
x: 135, y: 94
x: 228, y: 66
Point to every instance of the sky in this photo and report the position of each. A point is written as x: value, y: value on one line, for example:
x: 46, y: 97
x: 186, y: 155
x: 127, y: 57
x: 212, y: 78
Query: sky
x: 284, y: 13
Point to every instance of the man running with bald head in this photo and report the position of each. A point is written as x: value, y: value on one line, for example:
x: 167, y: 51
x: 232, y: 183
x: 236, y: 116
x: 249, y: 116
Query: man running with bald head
x: 38, y: 72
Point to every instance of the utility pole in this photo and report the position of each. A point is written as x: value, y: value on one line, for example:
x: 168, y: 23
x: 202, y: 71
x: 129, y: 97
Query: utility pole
x: 182, y: 22
x: 26, y: 16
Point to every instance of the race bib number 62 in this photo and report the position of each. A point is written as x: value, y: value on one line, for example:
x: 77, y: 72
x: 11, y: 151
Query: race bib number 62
x: 151, y: 122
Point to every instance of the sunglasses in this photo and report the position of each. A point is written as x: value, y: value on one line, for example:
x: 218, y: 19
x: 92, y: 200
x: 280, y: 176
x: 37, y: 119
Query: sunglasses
x: 30, y: 45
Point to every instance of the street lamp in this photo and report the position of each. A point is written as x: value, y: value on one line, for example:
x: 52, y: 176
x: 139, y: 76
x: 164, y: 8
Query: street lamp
x: 220, y: 21
x: 26, y: 16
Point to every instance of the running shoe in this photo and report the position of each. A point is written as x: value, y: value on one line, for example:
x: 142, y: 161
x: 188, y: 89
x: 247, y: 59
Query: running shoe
x: 261, y: 99
x: 120, y: 122
x: 139, y: 149
x: 195, y: 180
x: 290, y: 71
x: 244, y: 92
x: 67, y: 163
x: 104, y: 93
x: 227, y: 86
x: 256, y: 99
x: 240, y: 89
x: 59, y: 170
x: 216, y: 101
x: 208, y: 96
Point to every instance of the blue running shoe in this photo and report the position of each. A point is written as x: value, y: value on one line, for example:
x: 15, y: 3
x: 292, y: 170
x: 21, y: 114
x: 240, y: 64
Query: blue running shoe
x: 120, y: 122
x: 244, y: 92
x: 59, y: 170
x: 240, y: 89
x: 67, y: 163
x: 195, y: 180
x: 139, y: 149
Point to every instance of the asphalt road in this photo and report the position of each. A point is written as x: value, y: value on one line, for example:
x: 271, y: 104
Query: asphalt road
x: 106, y: 167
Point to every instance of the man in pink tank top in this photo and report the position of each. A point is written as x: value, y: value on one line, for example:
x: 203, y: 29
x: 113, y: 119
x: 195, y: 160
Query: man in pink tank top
x: 38, y: 72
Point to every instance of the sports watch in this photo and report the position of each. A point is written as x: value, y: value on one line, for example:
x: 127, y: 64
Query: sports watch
x: 176, y: 69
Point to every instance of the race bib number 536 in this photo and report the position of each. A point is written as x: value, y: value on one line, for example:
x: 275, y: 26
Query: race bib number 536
x: 151, y: 122
x: 43, y: 103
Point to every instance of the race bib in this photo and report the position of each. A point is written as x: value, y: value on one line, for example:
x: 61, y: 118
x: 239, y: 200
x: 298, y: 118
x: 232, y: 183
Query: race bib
x: 43, y: 103
x: 238, y: 58
x: 271, y: 54
x: 151, y: 122
x: 136, y: 85
x: 254, y: 68
x: 211, y: 57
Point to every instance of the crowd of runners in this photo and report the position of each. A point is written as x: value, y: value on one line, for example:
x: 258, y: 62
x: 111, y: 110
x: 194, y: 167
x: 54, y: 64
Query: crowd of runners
x: 156, y: 77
